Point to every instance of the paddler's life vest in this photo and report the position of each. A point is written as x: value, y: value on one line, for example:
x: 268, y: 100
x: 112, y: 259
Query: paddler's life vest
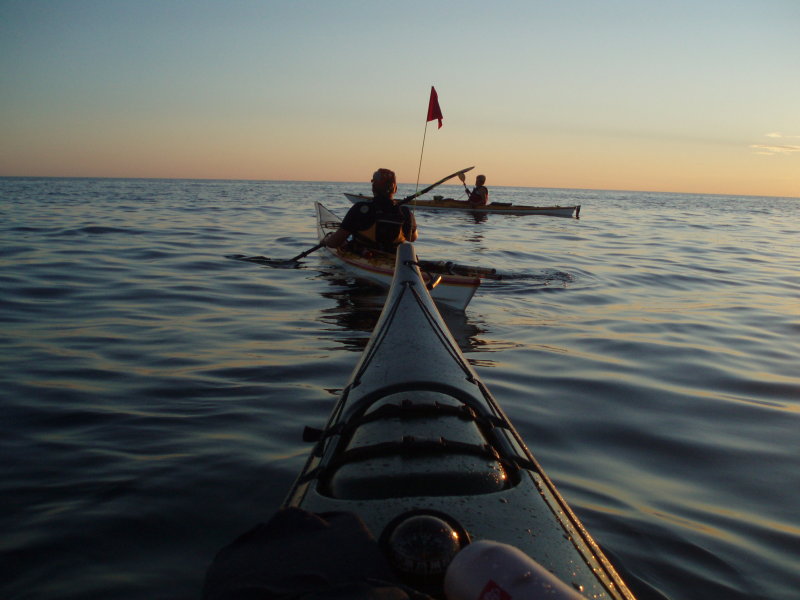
x: 479, y: 196
x: 386, y: 229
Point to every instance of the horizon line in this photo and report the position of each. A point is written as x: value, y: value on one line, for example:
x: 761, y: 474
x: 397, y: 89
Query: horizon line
x: 640, y: 191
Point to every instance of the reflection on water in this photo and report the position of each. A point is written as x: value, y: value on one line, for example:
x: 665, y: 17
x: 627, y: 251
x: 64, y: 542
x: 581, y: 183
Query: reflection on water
x: 358, y: 308
x: 479, y: 216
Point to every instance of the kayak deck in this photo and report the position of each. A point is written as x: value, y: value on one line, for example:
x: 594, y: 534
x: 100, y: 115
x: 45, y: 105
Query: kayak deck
x: 506, y: 208
x: 423, y: 435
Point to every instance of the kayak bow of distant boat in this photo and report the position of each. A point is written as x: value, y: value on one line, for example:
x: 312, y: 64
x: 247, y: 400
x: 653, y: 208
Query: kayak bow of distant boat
x: 505, y: 208
x: 456, y: 283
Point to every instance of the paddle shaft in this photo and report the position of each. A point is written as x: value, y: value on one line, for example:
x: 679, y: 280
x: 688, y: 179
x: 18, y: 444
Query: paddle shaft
x: 456, y: 269
x: 307, y: 252
x: 433, y: 185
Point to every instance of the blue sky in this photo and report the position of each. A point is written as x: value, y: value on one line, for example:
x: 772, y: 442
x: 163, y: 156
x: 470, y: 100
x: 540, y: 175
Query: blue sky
x: 673, y: 96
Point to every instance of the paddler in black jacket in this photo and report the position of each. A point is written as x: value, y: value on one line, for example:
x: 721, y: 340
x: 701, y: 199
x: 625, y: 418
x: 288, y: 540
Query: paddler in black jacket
x: 479, y: 196
x: 378, y: 225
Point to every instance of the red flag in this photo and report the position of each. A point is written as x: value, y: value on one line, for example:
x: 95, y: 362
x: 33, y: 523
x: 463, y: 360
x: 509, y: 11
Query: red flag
x: 434, y: 112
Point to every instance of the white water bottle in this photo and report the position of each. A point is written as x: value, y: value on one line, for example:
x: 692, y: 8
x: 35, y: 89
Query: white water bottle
x: 487, y: 570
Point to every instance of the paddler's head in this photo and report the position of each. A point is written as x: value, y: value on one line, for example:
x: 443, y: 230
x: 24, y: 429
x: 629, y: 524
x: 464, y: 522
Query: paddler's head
x: 480, y: 180
x: 384, y: 184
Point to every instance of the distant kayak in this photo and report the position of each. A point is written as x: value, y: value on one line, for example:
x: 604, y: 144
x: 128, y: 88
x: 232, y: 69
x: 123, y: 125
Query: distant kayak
x: 455, y: 288
x: 506, y: 208
x: 418, y: 448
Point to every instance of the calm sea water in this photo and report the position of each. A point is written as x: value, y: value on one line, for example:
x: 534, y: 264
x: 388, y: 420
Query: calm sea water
x: 154, y: 390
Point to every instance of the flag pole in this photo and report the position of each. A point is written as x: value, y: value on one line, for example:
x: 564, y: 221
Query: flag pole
x: 419, y: 170
x: 434, y: 114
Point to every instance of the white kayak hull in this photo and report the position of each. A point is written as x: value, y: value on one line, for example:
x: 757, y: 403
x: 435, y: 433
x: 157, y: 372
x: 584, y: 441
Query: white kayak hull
x: 493, y: 207
x: 453, y: 291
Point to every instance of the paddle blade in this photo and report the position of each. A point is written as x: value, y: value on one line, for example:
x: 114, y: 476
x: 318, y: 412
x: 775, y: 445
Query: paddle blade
x: 279, y: 263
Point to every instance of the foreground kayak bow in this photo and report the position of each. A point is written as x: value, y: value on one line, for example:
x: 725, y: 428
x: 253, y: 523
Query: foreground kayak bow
x: 417, y: 438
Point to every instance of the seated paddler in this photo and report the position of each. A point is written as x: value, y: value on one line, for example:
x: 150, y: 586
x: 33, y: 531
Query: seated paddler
x: 381, y: 224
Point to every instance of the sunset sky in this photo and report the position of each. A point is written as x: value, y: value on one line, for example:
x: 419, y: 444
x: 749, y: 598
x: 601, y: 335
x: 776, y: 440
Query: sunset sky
x: 685, y: 96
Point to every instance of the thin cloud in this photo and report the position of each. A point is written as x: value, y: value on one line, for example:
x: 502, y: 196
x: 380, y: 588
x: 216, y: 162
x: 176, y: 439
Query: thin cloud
x: 772, y: 149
